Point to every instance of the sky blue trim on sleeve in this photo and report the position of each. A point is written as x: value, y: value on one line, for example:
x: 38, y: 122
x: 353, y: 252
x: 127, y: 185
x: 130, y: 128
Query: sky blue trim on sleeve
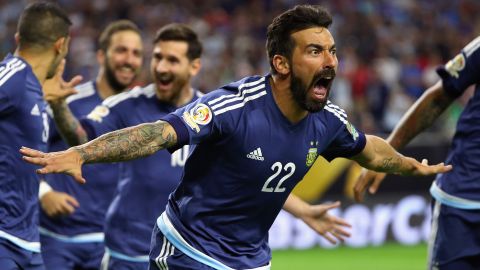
x: 450, y: 200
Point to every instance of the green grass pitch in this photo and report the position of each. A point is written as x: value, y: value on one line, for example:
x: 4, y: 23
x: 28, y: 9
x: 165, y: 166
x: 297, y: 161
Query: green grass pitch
x: 386, y: 257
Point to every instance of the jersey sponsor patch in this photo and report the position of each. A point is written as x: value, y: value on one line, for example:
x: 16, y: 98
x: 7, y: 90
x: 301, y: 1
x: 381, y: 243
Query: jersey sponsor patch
x: 455, y: 65
x: 201, y: 114
x: 98, y: 113
x: 352, y: 131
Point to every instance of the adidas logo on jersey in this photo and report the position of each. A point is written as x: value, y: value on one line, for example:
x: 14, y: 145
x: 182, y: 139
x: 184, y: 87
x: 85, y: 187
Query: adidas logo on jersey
x: 35, y: 110
x: 256, y: 154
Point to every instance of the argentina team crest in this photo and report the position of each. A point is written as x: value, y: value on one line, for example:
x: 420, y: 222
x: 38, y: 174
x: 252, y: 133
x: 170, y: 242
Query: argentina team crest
x: 312, y: 154
x: 98, y: 113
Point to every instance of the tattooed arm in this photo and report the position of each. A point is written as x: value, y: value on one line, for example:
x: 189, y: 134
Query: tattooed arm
x: 55, y: 92
x: 121, y: 145
x: 420, y: 116
x: 380, y: 156
x: 67, y: 124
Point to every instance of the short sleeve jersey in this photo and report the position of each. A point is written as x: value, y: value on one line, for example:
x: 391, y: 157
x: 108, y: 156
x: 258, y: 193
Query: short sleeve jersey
x: 457, y: 75
x: 247, y: 159
x: 95, y: 197
x: 144, y: 184
x: 23, y: 122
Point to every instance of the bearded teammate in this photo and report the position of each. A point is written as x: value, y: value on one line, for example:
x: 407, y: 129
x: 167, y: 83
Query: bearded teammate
x: 73, y: 216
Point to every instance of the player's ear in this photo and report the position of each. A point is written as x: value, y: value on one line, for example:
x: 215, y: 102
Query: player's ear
x: 195, y: 66
x: 61, y: 44
x: 101, y: 57
x: 281, y: 64
x: 17, y: 38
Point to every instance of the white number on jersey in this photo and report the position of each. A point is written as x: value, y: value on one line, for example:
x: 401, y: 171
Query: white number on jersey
x: 277, y: 169
x: 46, y: 127
x: 180, y: 156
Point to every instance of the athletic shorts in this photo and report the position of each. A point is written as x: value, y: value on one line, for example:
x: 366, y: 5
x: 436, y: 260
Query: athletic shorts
x: 455, y: 238
x: 61, y: 255
x: 13, y: 257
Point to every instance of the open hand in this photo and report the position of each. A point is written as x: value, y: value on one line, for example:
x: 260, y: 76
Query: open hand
x: 56, y: 89
x: 68, y: 162
x: 328, y: 226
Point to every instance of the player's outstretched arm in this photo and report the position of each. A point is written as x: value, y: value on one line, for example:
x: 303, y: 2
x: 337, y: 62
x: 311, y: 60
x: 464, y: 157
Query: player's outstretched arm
x: 316, y: 217
x: 380, y: 156
x: 420, y: 116
x: 55, y: 92
x: 121, y: 145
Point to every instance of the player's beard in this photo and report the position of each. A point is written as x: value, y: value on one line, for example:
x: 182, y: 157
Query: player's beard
x: 178, y: 83
x: 116, y: 85
x: 301, y: 91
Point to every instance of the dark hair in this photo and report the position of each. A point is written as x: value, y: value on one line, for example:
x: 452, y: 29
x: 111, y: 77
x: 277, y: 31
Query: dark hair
x: 181, y: 32
x: 300, y: 17
x: 41, y: 24
x: 115, y: 27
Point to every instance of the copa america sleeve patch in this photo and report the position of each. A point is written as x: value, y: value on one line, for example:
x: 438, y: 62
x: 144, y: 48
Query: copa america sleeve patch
x: 455, y: 65
x: 201, y: 114
x: 98, y: 113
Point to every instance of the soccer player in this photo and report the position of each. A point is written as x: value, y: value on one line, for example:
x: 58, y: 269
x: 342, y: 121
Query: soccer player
x: 454, y: 240
x: 71, y: 233
x: 42, y: 38
x: 254, y: 141
x: 128, y: 226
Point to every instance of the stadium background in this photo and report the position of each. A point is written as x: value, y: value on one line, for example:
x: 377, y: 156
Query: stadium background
x: 387, y: 50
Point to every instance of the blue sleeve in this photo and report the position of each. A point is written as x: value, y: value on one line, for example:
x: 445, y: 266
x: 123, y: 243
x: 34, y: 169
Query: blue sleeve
x: 101, y: 120
x: 462, y: 71
x: 346, y: 141
x: 199, y: 121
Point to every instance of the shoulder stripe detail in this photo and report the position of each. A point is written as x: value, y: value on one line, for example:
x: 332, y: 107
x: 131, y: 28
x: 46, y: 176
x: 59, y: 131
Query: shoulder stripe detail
x: 337, y: 109
x: 239, y: 96
x: 9, y: 64
x: 239, y: 105
x: 84, y: 90
x: 472, y: 46
x: 10, y: 71
x: 148, y: 91
x: 243, y: 85
x: 335, y: 112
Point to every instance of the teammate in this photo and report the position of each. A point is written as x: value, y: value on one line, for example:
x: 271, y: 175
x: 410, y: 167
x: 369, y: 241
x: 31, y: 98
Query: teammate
x: 42, y: 38
x: 454, y: 241
x: 254, y: 141
x: 71, y: 232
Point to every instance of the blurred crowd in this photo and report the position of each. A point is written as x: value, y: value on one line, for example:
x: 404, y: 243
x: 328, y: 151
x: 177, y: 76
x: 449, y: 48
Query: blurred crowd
x: 387, y: 49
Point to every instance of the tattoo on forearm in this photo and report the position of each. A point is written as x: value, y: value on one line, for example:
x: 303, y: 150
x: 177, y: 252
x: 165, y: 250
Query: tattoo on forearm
x: 391, y: 164
x: 70, y: 129
x: 128, y: 143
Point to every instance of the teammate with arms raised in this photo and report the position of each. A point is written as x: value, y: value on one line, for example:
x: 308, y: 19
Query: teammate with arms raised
x: 73, y: 216
x: 220, y: 214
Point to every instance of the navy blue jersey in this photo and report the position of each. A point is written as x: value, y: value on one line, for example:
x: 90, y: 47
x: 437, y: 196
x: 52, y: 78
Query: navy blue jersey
x: 144, y: 184
x: 248, y: 157
x: 23, y: 122
x: 463, y: 182
x: 95, y: 197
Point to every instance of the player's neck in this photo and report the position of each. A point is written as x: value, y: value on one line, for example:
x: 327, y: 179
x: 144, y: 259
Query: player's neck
x: 183, y: 98
x: 104, y: 89
x: 285, y: 101
x: 38, y: 62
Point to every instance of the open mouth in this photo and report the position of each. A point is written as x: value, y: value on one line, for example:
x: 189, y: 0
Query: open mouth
x: 321, y: 87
